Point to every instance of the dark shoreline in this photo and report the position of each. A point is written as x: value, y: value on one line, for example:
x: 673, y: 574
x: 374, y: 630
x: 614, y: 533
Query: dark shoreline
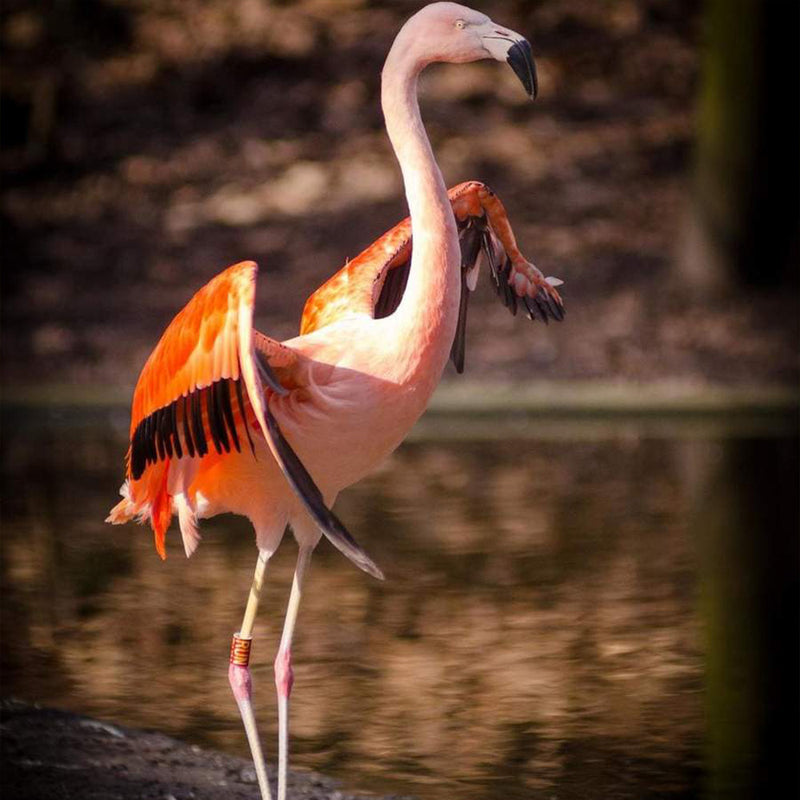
x: 49, y: 754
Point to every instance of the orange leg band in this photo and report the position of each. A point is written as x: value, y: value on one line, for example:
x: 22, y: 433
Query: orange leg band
x: 240, y: 650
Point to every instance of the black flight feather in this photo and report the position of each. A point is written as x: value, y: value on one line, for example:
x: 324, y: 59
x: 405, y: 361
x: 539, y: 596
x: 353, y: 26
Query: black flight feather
x: 240, y: 399
x: 187, y: 433
x: 224, y: 396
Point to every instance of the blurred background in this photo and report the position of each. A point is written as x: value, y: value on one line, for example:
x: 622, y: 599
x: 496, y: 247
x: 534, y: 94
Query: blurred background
x: 616, y: 495
x: 147, y: 145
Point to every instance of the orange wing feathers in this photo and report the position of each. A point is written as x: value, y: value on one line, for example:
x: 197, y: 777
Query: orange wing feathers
x: 356, y: 286
x: 199, y: 346
x: 362, y: 285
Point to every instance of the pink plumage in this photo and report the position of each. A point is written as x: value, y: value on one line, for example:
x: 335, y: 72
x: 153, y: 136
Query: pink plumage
x: 225, y: 419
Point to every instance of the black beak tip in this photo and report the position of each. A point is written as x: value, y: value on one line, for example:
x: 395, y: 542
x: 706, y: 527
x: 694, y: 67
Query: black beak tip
x: 520, y: 59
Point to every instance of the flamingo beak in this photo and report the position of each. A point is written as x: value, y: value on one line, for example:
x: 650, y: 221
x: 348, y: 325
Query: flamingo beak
x: 504, y: 45
x: 520, y: 58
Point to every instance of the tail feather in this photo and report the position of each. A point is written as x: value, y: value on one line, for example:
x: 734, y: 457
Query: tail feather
x: 160, y: 517
x: 123, y: 512
x: 188, y: 523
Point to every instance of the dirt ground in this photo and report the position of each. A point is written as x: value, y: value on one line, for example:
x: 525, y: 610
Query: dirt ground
x: 149, y: 145
x: 56, y: 755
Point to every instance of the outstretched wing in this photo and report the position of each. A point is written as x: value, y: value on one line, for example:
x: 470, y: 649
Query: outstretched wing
x: 373, y: 283
x: 187, y: 390
x: 205, y: 390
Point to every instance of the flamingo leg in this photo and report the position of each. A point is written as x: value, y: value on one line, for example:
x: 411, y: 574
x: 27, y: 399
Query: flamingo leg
x: 284, y: 676
x: 239, y: 673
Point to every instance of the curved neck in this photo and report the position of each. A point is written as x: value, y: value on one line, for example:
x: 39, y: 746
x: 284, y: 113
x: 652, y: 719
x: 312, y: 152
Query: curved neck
x: 429, y: 308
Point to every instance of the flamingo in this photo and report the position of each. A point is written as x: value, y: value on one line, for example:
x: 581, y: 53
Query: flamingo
x: 226, y: 419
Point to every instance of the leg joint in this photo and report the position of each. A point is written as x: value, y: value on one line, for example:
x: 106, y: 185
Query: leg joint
x: 284, y: 674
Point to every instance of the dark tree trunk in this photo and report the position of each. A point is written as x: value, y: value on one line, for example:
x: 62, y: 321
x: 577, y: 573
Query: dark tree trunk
x: 744, y: 227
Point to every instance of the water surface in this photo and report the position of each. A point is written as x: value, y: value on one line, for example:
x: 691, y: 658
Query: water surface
x: 564, y: 616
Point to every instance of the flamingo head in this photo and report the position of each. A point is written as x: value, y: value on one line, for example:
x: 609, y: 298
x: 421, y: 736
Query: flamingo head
x: 456, y: 34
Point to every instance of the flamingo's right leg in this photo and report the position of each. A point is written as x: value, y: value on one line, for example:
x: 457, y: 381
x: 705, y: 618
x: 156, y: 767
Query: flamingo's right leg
x: 239, y: 673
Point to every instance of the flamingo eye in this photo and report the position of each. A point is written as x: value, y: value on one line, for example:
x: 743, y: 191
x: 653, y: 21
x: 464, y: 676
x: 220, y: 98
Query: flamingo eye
x: 460, y: 24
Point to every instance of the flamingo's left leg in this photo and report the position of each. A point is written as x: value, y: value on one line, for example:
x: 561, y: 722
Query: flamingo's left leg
x: 239, y: 673
x: 284, y: 676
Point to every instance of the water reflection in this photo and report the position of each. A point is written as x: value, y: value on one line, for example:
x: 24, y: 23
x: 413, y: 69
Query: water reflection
x: 550, y: 621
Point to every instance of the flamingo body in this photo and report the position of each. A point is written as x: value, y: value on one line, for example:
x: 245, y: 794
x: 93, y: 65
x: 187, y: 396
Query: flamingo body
x: 354, y: 387
x: 226, y: 419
